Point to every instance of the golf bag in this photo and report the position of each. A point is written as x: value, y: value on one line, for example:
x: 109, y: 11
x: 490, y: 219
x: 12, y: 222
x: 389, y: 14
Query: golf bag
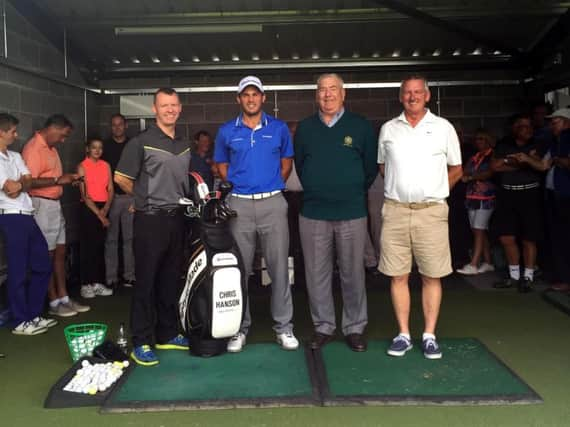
x: 212, y: 303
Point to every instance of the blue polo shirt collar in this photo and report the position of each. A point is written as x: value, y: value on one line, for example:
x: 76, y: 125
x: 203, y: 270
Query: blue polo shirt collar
x: 334, y: 120
x: 263, y: 122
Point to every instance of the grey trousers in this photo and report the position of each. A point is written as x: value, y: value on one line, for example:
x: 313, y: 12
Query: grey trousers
x: 372, y: 248
x: 120, y: 219
x: 319, y: 238
x: 266, y: 219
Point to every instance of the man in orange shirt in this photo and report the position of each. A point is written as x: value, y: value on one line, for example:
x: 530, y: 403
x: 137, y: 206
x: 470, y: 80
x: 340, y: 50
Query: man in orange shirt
x: 42, y: 159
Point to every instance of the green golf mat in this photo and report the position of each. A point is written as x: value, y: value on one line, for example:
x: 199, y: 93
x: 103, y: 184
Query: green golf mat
x: 467, y: 374
x: 260, y: 375
x: 265, y: 375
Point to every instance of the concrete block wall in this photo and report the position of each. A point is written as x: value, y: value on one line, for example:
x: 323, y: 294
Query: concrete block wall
x: 33, y: 86
x: 468, y: 107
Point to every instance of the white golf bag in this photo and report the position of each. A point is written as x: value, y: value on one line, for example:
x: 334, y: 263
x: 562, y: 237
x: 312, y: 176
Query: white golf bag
x: 212, y: 303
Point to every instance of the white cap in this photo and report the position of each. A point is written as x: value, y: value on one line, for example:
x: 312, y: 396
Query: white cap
x: 562, y: 112
x: 250, y: 81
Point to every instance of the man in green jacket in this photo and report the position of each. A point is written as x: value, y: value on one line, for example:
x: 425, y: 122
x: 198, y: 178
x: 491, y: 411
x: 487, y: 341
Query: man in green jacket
x: 335, y: 156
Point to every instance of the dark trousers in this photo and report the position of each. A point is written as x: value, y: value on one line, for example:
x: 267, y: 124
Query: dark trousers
x: 158, y: 245
x: 558, y: 224
x: 26, y: 252
x: 91, y: 246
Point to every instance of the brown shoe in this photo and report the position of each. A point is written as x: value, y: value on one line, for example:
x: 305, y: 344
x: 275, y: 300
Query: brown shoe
x: 319, y: 340
x: 356, y: 342
x: 560, y: 287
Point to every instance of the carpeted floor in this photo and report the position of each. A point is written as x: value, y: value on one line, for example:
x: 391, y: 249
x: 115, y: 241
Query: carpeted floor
x: 530, y: 335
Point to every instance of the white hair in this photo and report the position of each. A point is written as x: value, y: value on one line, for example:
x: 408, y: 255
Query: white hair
x: 328, y: 75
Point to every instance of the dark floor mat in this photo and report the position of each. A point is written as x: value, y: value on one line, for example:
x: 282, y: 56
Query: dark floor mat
x: 260, y: 375
x: 468, y: 373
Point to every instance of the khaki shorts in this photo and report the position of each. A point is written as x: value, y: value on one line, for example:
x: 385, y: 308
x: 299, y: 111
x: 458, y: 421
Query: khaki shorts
x: 49, y: 217
x: 419, y: 233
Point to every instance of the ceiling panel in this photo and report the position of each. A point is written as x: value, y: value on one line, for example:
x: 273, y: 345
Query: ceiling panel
x: 306, y: 31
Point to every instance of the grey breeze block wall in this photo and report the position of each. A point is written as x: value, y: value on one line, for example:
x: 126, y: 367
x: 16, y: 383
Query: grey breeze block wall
x: 467, y: 107
x: 32, y: 87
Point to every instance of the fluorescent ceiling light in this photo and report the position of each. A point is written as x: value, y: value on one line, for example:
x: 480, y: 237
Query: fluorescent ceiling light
x: 457, y: 52
x: 436, y: 52
x: 215, y: 58
x: 255, y: 57
x: 175, y: 59
x: 295, y: 56
x: 188, y: 29
x: 155, y: 59
x: 275, y: 57
x: 235, y: 57
x: 416, y: 53
x: 335, y: 55
x: 135, y: 60
x: 115, y: 61
x: 396, y: 53
x: 315, y: 55
x: 195, y: 59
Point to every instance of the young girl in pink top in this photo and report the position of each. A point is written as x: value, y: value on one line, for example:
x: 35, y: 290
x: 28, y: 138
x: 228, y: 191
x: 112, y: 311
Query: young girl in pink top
x: 96, y: 197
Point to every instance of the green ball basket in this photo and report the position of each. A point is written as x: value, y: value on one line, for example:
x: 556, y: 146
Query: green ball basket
x: 83, y: 338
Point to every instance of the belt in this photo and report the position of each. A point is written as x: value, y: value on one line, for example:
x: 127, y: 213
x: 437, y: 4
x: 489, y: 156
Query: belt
x: 162, y: 212
x: 46, y: 198
x: 413, y: 205
x: 521, y: 187
x: 15, y: 212
x: 257, y: 196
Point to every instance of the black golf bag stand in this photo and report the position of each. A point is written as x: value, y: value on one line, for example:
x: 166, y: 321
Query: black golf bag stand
x: 212, y: 303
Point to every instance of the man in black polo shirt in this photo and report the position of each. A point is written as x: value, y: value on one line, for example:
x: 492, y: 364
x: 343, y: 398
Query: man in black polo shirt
x: 121, y: 212
x: 518, y: 210
x: 154, y: 167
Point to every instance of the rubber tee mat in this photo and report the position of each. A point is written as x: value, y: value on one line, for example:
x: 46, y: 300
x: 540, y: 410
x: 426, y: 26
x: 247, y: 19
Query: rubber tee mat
x: 264, y: 375
x: 467, y: 374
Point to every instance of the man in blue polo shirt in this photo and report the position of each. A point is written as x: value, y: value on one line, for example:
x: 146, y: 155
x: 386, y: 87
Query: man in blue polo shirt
x: 254, y: 152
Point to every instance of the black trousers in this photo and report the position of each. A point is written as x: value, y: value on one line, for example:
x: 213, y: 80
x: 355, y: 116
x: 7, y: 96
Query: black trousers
x: 91, y: 246
x: 558, y: 224
x: 158, y: 248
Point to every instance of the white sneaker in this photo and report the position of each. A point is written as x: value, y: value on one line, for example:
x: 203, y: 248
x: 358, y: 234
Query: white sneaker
x: 236, y: 343
x: 29, y: 328
x: 468, y: 269
x: 62, y: 310
x: 87, y: 291
x: 288, y: 341
x: 486, y: 267
x: 99, y: 289
x: 75, y: 306
x: 44, y: 322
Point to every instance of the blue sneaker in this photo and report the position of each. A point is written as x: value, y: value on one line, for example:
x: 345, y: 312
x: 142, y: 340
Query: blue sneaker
x: 431, y: 349
x: 179, y: 342
x: 144, y: 355
x: 400, y: 345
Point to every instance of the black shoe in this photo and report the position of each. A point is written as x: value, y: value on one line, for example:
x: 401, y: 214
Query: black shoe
x: 356, y: 342
x: 506, y: 283
x: 129, y: 283
x: 373, y: 271
x: 525, y: 285
x: 319, y: 340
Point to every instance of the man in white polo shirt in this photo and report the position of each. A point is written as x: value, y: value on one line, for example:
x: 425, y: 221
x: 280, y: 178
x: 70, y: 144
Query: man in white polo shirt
x: 29, y: 266
x: 420, y: 159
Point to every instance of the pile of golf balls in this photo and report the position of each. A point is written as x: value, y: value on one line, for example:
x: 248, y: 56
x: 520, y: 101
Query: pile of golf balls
x: 93, y: 378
